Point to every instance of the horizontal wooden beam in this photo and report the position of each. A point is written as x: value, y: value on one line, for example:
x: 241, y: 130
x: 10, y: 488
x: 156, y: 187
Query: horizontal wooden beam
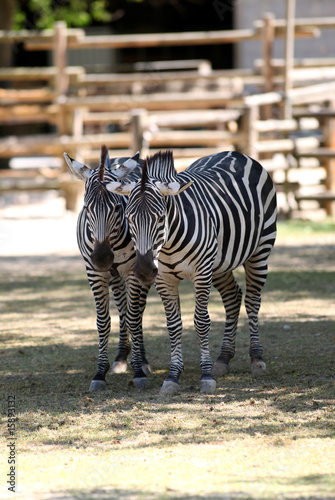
x: 312, y: 93
x: 17, y: 36
x: 322, y: 197
x: 320, y: 153
x: 178, y: 64
x: 320, y: 115
x: 55, y: 145
x: 15, y: 173
x: 28, y: 113
x: 306, y: 62
x: 37, y: 73
x: 110, y: 117
x: 193, y: 118
x: 28, y: 184
x: 287, y: 145
x: 52, y: 144
x: 155, y: 101
x: 276, y: 125
x: 301, y: 22
x: 152, y: 40
x: 155, y: 77
x: 263, y: 99
x: 189, y: 154
x: 13, y: 96
x: 169, y: 39
x: 178, y: 138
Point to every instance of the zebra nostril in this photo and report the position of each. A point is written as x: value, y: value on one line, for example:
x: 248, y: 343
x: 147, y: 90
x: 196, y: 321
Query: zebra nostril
x: 154, y: 272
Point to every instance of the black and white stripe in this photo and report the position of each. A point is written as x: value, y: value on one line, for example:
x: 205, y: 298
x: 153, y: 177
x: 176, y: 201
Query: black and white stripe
x: 108, y: 252
x: 201, y: 224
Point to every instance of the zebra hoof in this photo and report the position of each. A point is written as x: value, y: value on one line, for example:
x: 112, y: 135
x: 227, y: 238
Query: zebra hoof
x: 169, y: 387
x: 119, y: 367
x: 146, y: 368
x: 98, y: 385
x: 258, y: 367
x: 220, y: 369
x: 207, y: 385
x: 140, y: 382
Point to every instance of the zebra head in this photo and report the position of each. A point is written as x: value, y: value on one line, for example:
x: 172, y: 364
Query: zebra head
x: 147, y: 214
x: 104, y: 210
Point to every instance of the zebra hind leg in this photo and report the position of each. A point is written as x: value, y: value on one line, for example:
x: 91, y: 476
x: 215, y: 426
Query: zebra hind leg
x: 256, y: 273
x: 231, y: 295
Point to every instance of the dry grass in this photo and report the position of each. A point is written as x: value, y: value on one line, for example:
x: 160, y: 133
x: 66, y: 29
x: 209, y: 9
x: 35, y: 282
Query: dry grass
x: 255, y: 438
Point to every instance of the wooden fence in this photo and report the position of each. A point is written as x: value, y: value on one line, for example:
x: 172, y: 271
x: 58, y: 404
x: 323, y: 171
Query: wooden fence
x: 188, y: 106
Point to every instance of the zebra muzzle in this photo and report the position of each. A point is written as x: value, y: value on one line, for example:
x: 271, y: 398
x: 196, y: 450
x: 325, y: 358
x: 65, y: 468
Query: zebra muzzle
x: 145, y: 269
x: 102, y: 255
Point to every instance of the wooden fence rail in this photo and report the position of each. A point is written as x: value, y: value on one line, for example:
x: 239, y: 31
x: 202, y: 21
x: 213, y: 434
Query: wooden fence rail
x: 195, y: 109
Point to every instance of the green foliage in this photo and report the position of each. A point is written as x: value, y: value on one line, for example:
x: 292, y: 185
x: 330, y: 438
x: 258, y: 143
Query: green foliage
x: 76, y: 13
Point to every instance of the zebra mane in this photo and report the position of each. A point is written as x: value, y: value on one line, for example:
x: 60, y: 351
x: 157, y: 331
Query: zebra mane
x: 160, y: 167
x: 103, y: 155
x: 145, y: 177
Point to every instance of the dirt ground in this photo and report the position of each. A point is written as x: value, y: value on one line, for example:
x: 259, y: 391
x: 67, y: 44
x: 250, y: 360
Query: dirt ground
x: 273, y: 437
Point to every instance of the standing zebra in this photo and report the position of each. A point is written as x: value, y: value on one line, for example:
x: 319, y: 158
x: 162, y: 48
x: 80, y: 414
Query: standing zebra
x: 108, y: 251
x: 225, y: 217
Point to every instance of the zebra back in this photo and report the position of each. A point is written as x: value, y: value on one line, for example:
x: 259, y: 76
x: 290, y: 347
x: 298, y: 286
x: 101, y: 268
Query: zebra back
x: 232, y: 196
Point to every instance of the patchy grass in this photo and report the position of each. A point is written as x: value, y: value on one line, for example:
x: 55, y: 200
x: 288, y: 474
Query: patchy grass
x: 255, y: 438
x: 301, y: 228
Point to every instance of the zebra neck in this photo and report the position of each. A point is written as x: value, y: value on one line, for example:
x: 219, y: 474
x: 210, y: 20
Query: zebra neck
x: 179, y: 215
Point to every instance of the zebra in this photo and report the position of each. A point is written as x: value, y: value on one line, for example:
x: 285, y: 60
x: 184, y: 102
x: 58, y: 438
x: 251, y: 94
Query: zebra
x: 201, y: 224
x: 108, y: 252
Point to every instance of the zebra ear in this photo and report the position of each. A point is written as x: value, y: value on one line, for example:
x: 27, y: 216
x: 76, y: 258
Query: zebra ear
x: 127, y: 167
x: 78, y: 169
x: 172, y: 188
x: 120, y: 188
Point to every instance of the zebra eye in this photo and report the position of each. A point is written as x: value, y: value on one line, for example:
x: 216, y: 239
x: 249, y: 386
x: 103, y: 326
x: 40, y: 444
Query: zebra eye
x: 160, y: 218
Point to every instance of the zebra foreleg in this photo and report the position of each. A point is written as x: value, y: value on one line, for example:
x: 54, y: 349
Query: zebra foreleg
x: 100, y: 290
x: 134, y: 324
x: 256, y: 273
x: 118, y: 287
x: 120, y: 299
x: 202, y: 327
x: 170, y: 297
x: 231, y: 295
x: 142, y: 302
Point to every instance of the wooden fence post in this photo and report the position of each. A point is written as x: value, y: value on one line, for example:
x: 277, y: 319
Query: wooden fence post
x: 61, y: 78
x: 268, y: 33
x: 138, y: 125
x: 289, y: 55
x: 66, y: 122
x: 329, y: 133
x: 250, y: 133
x: 60, y: 58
